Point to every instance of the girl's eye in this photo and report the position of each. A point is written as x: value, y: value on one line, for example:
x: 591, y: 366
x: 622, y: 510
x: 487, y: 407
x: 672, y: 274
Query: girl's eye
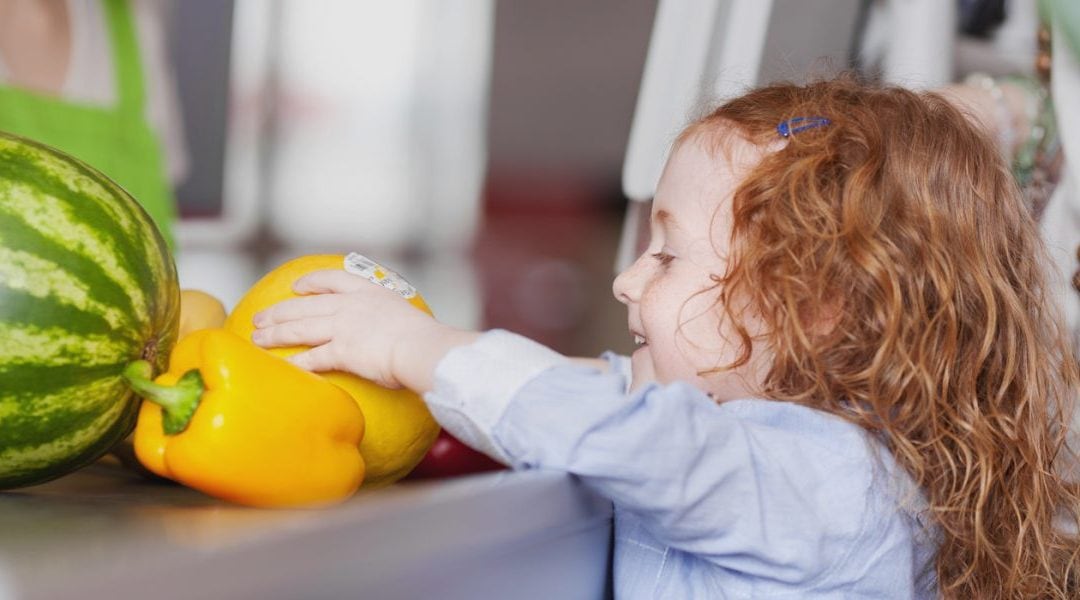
x: 663, y: 258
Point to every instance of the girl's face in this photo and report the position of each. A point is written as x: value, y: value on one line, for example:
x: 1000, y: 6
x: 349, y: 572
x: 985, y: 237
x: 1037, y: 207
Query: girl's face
x: 669, y: 292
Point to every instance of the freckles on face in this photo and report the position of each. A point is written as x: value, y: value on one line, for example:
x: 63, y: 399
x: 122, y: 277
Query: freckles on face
x: 670, y: 291
x: 681, y: 322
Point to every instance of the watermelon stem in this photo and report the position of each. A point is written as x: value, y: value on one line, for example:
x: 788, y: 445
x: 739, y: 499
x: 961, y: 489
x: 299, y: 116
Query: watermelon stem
x: 178, y: 402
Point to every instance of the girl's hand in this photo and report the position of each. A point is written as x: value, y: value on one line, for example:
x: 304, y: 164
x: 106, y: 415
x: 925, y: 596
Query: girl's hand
x: 357, y: 326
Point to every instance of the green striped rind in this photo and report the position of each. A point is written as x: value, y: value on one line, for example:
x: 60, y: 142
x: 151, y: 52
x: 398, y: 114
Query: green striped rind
x: 86, y: 286
x: 78, y: 423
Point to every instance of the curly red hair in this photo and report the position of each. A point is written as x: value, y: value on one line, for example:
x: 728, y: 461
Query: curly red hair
x: 900, y: 227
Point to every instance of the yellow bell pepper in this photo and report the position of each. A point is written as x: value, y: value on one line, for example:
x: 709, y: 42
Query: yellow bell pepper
x: 236, y: 422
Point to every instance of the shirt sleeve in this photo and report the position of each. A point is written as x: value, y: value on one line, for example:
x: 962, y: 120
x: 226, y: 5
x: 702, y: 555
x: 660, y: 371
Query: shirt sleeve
x: 766, y: 488
x: 474, y: 384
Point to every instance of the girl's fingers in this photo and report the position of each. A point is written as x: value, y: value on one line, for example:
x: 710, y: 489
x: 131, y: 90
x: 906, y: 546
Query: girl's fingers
x: 300, y: 332
x: 298, y: 308
x: 327, y: 358
x: 319, y: 358
x: 331, y: 281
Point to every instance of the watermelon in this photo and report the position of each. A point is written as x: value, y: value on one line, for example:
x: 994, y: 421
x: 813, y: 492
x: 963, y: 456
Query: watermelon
x: 87, y: 285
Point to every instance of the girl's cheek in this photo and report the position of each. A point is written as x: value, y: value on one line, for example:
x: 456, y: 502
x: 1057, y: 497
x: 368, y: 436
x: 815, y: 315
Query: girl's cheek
x: 650, y: 299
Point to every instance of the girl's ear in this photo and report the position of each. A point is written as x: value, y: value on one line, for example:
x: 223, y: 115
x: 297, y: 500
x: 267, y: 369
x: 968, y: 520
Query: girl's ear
x: 822, y: 320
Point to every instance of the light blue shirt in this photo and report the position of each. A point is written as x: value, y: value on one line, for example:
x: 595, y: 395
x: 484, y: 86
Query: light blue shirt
x: 745, y: 499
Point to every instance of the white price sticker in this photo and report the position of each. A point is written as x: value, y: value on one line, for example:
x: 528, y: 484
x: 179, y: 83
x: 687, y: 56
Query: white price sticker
x: 360, y: 265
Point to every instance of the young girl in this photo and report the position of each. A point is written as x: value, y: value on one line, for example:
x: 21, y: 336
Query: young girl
x: 849, y: 380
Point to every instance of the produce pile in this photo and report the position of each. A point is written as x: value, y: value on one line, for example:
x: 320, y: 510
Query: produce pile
x: 92, y: 321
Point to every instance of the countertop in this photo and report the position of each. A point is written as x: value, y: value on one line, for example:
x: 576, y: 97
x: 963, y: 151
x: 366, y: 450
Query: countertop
x: 104, y: 532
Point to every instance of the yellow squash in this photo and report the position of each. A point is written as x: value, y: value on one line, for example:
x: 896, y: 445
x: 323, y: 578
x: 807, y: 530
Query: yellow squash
x: 199, y: 310
x: 236, y: 422
x: 400, y: 429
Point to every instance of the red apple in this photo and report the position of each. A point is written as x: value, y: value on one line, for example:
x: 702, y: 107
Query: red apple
x: 449, y: 458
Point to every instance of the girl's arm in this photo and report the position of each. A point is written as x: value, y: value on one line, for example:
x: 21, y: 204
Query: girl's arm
x: 365, y: 329
x: 356, y: 326
x: 764, y: 488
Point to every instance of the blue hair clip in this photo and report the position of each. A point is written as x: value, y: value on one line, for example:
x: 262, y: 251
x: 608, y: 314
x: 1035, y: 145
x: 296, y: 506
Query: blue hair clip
x: 797, y: 124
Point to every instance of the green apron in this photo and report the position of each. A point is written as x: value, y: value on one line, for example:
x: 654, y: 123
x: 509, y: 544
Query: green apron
x: 116, y: 140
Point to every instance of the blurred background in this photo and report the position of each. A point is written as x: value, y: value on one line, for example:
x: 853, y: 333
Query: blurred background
x: 484, y: 149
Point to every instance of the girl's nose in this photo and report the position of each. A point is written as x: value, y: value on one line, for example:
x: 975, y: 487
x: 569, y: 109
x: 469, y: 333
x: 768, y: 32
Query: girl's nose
x: 627, y: 285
